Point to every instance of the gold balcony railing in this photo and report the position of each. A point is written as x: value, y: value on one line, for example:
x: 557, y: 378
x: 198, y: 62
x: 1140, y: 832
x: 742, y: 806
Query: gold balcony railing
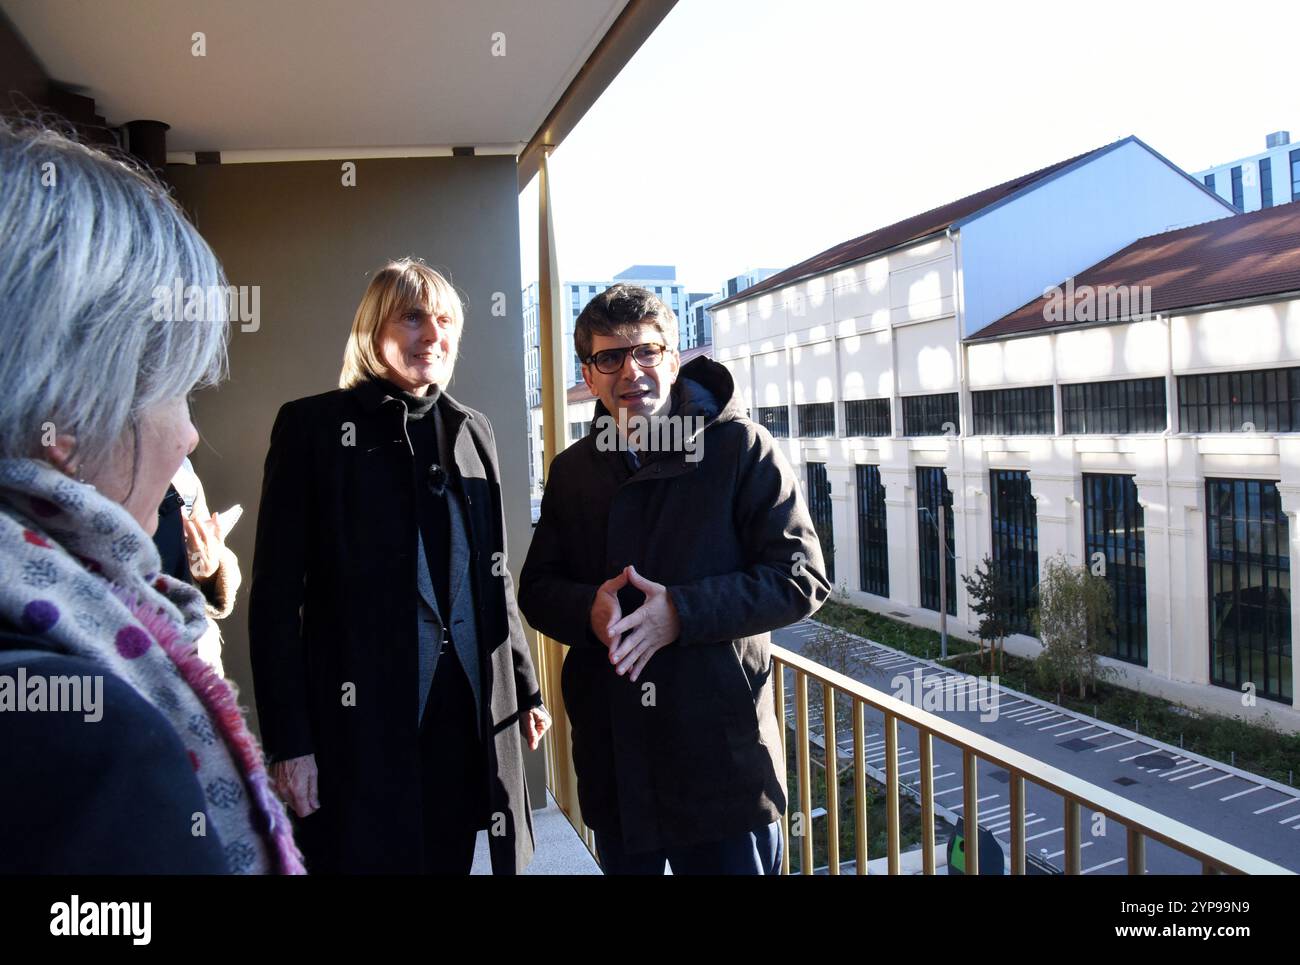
x: 1141, y: 824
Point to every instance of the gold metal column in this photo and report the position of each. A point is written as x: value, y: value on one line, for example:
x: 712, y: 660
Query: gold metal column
x: 563, y: 778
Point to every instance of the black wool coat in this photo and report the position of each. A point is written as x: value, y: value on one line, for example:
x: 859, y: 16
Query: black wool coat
x: 113, y: 796
x: 690, y: 752
x: 333, y: 608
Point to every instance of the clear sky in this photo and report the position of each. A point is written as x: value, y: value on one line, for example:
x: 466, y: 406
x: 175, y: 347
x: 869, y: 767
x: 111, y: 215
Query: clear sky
x: 755, y: 133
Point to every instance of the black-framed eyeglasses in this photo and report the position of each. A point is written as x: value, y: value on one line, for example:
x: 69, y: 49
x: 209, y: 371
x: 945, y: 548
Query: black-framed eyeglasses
x: 647, y: 355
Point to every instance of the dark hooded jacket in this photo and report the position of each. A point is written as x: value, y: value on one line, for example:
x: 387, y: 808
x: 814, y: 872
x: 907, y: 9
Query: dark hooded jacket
x: 691, y: 751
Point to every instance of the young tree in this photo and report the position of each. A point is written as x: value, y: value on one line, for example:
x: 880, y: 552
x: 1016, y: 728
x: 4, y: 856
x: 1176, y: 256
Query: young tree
x: 837, y: 650
x: 1075, y: 619
x: 990, y: 598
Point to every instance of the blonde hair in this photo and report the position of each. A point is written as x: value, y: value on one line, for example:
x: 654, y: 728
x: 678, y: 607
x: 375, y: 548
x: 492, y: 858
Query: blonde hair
x: 401, y: 285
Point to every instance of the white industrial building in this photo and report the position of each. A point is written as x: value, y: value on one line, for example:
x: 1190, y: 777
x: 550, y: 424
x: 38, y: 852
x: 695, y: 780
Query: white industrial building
x: 921, y: 364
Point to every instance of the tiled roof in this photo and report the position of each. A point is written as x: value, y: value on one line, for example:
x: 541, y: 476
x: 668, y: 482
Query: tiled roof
x: 909, y: 229
x: 1239, y: 257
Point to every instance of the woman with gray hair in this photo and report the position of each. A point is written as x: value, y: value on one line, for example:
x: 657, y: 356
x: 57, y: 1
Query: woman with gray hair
x: 122, y: 750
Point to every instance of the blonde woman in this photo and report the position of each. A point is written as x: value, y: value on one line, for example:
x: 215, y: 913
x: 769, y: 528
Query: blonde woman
x: 394, y: 684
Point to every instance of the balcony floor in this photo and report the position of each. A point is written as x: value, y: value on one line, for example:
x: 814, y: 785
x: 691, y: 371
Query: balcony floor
x: 559, y: 849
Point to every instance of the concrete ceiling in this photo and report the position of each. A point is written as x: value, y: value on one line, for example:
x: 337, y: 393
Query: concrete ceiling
x: 284, y: 75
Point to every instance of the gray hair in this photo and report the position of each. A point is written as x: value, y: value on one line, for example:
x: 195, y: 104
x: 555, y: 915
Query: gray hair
x: 88, y: 238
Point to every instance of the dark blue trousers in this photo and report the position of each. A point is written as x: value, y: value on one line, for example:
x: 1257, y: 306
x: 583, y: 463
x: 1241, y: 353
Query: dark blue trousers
x: 753, y: 853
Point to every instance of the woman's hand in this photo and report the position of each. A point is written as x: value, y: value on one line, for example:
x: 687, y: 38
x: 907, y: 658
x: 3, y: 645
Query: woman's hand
x: 535, y: 724
x: 295, y: 782
x: 203, y: 544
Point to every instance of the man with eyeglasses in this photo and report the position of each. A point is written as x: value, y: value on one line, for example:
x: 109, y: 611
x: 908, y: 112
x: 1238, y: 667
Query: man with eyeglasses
x: 664, y: 574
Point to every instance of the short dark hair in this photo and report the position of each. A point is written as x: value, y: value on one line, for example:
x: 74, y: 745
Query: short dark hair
x: 619, y: 308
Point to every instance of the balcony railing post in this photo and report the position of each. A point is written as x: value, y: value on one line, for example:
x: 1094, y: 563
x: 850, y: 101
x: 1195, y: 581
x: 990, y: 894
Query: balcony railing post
x: 893, y: 831
x: 1073, y: 862
x: 859, y: 787
x: 778, y: 668
x: 970, y: 811
x: 831, y: 756
x: 1017, y: 824
x: 805, y: 780
x: 926, y: 742
x: 1137, y: 852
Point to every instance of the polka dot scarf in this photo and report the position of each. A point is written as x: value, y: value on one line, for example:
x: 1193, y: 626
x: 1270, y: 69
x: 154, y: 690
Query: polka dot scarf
x: 77, y: 570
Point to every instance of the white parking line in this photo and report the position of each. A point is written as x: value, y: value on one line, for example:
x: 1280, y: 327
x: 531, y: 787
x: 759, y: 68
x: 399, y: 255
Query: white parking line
x: 1005, y: 820
x: 1027, y: 709
x: 1115, y: 746
x: 1280, y: 804
x: 1202, y: 770
x: 978, y: 801
x: 1104, y: 864
x: 1007, y: 827
x: 1125, y: 760
x: 1064, y: 723
x: 949, y: 791
x: 882, y: 751
x: 1067, y: 733
x: 1294, y: 817
x: 1035, y: 718
x: 1043, y: 834
x: 1181, y: 770
x: 1023, y: 712
x: 876, y: 758
x: 1009, y: 703
x: 1057, y: 854
x: 904, y: 759
x: 1213, y: 780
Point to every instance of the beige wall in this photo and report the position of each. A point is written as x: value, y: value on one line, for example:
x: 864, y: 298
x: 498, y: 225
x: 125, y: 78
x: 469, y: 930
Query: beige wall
x: 310, y: 243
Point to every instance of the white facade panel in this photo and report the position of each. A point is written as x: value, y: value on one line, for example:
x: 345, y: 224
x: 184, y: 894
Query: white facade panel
x: 927, y: 357
x: 1113, y: 351
x: 767, y: 315
x: 849, y: 292
x: 739, y: 369
x: 866, y: 366
x: 1263, y: 335
x: 771, y: 371
x: 921, y: 291
x: 811, y: 303
x: 813, y: 372
x: 730, y: 325
x: 1021, y: 360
